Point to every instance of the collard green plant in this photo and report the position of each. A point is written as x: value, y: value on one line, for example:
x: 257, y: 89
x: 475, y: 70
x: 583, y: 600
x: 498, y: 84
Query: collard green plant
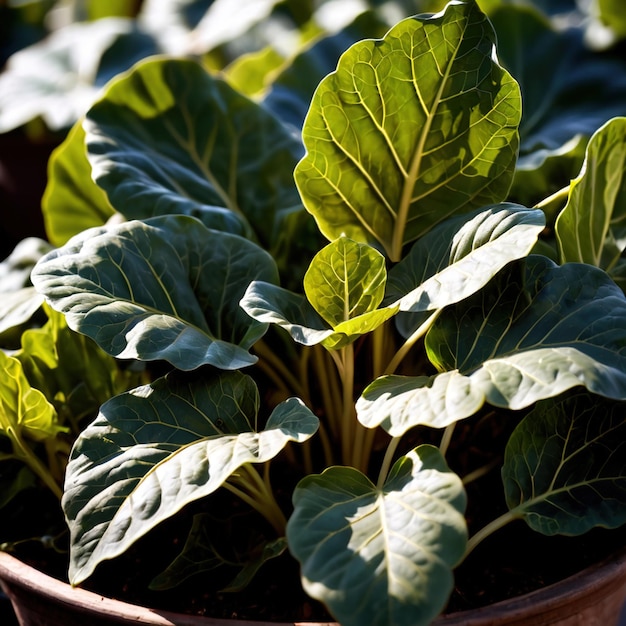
x: 327, y: 304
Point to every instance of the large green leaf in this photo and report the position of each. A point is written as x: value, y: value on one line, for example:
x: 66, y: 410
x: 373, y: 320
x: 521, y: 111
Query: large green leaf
x: 565, y: 465
x: 72, y: 202
x: 170, y: 138
x: 535, y: 331
x: 592, y: 226
x: 460, y: 256
x: 167, y: 288
x: 381, y: 556
x: 157, y: 448
x: 409, y: 130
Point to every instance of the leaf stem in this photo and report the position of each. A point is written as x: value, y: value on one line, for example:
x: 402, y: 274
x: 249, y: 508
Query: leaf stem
x: 489, y: 529
x: 557, y: 195
x: 386, y: 464
x: 446, y: 438
x: 410, y: 342
x: 256, y: 491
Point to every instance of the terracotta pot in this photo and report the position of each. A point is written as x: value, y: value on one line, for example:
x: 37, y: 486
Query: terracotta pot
x: 593, y: 597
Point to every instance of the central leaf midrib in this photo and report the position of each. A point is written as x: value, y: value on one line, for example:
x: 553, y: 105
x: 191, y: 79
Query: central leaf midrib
x: 416, y: 162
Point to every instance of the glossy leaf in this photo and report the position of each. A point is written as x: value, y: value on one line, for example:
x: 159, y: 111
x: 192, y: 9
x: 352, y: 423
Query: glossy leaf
x: 565, y: 466
x: 72, y: 202
x: 534, y: 332
x: 461, y: 255
x: 592, y: 226
x: 383, y: 555
x: 410, y: 130
x: 159, y: 447
x: 345, y: 279
x: 167, y: 288
x: 170, y: 138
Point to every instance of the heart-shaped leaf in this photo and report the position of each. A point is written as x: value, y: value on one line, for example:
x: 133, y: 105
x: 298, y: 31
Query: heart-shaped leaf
x: 157, y: 448
x: 410, y: 130
x: 592, y: 226
x: 565, y: 465
x: 381, y: 556
x: 345, y: 279
x: 167, y: 288
x: 534, y: 332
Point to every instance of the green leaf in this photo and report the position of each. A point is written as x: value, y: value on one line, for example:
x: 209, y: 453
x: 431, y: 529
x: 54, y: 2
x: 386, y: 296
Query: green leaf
x: 564, y: 466
x: 592, y: 226
x: 72, y: 202
x: 381, y: 556
x: 167, y: 288
x: 24, y: 411
x: 410, y: 130
x: 170, y: 138
x: 345, y: 279
x: 535, y: 331
x: 159, y: 447
x: 461, y: 255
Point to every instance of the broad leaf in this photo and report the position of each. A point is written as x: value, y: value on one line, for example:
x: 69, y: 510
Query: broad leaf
x: 381, y: 556
x: 72, y: 202
x: 345, y: 279
x: 592, y: 226
x: 167, y: 288
x: 461, y: 255
x: 170, y: 138
x: 409, y: 130
x: 565, y: 466
x: 157, y: 448
x: 534, y: 332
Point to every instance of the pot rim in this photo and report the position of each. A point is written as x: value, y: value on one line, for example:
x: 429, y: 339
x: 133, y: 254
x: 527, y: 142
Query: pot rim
x: 596, y: 582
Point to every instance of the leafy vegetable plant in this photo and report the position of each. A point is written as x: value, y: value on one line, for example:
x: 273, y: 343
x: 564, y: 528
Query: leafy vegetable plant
x: 334, y: 304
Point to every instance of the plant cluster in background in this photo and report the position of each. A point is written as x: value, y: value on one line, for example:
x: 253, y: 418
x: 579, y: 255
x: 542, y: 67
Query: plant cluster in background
x: 323, y: 244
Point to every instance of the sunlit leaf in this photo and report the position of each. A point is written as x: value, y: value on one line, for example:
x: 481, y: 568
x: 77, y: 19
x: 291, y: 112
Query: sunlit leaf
x: 72, y: 202
x: 345, y: 279
x: 592, y: 226
x: 380, y: 555
x: 152, y: 451
x: 534, y: 332
x: 167, y: 288
x: 410, y: 130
